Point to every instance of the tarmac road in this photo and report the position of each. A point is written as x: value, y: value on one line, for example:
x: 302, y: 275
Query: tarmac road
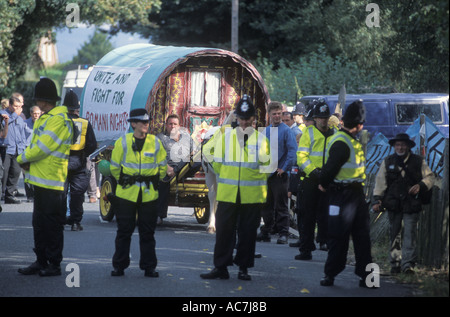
x: 184, y: 250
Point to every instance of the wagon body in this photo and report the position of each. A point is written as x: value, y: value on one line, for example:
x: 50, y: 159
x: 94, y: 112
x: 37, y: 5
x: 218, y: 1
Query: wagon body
x: 200, y: 85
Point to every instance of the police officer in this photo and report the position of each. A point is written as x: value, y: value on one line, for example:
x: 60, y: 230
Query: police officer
x: 138, y: 162
x: 342, y: 177
x: 47, y: 158
x: 313, y: 203
x: 299, y: 112
x: 78, y: 175
x: 241, y: 192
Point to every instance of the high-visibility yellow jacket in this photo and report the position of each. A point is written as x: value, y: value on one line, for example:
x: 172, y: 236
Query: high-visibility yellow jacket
x: 242, y: 168
x: 80, y: 142
x: 49, y: 150
x: 311, y: 149
x: 150, y: 161
x: 353, y: 171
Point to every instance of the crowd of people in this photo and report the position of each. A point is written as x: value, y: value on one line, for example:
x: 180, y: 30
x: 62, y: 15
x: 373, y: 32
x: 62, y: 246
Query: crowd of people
x: 316, y: 157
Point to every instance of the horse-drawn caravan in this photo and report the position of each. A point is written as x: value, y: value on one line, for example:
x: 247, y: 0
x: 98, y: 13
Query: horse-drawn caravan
x: 200, y: 85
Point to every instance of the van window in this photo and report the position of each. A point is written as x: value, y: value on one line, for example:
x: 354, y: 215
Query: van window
x: 408, y: 112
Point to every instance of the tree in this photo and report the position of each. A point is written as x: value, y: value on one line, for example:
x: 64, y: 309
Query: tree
x: 22, y: 23
x: 91, y: 51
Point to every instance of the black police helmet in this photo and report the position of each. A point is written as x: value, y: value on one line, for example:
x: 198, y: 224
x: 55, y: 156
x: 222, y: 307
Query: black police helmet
x: 71, y: 100
x: 321, y: 110
x: 137, y: 115
x: 299, y: 109
x: 310, y: 112
x: 45, y: 90
x: 354, y: 114
x: 245, y: 108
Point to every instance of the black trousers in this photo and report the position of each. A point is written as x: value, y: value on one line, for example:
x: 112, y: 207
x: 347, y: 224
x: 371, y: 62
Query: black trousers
x: 276, y: 212
x: 163, y: 199
x: 11, y: 174
x: 126, y: 223
x: 48, y: 225
x: 348, y: 215
x: 313, y: 208
x: 77, y: 185
x: 244, y: 218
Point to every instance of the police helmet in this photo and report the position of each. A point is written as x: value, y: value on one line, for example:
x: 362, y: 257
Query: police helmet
x: 321, y: 109
x: 354, y: 114
x: 45, y: 90
x: 299, y: 109
x: 245, y: 108
x: 71, y: 100
x: 137, y: 115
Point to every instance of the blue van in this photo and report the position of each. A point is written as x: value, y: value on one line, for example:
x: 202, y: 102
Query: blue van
x: 395, y: 113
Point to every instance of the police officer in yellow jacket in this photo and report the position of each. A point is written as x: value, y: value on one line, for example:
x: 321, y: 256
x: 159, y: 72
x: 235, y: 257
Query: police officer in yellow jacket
x: 138, y: 162
x: 46, y: 158
x: 78, y: 176
x: 313, y: 203
x: 240, y: 158
x: 343, y: 178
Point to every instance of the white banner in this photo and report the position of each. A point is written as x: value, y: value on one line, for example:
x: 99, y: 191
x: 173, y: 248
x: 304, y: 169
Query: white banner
x: 107, y: 99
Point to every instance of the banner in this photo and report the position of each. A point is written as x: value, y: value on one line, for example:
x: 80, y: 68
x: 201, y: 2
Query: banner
x: 434, y: 143
x: 107, y: 99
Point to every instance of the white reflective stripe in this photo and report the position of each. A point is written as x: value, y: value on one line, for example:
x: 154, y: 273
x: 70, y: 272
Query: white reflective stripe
x: 311, y: 137
x: 53, y: 136
x: 349, y: 181
x: 236, y: 182
x: 304, y: 165
x: 303, y: 149
x: 136, y: 166
x: 125, y: 149
x: 24, y: 159
x: 253, y: 165
x: 47, y: 182
x: 43, y: 147
x: 114, y: 164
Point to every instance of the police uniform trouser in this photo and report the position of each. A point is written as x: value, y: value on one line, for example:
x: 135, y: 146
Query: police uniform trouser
x: 313, y: 208
x: 126, y: 222
x: 78, y: 182
x: 246, y: 219
x: 348, y: 215
x: 48, y: 225
x: 276, y: 211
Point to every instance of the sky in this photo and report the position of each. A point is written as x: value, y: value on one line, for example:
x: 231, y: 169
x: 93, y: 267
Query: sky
x: 70, y: 40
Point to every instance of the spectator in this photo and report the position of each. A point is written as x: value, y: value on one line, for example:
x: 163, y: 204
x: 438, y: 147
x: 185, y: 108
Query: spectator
x: 402, y: 177
x: 179, y: 147
x: 288, y: 119
x: 15, y: 143
x: 276, y: 211
x: 4, y: 118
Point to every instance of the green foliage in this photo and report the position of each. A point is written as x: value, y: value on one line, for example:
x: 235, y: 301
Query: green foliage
x: 91, y: 51
x: 24, y: 22
x: 314, y: 73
